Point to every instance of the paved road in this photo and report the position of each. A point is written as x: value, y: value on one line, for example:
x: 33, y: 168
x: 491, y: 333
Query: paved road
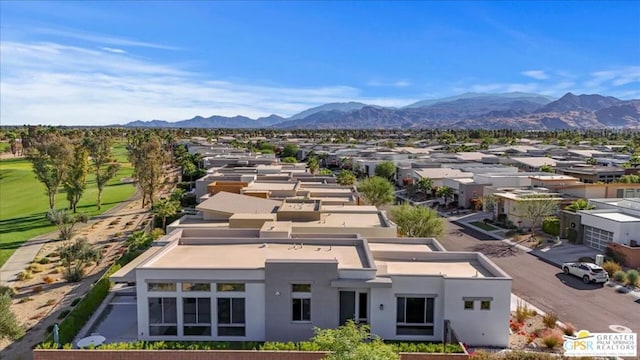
x: 592, y: 307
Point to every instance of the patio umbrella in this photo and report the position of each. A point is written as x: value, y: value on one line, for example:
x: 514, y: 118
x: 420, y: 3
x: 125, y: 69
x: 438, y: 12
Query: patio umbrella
x: 56, y: 334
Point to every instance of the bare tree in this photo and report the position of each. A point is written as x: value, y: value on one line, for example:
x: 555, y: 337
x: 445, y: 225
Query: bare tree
x: 536, y: 207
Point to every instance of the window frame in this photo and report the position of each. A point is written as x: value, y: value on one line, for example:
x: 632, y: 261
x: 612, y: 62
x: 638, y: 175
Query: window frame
x: 466, y: 302
x: 173, y: 286
x: 163, y: 323
x: 197, y: 323
x: 303, y: 296
x: 231, y: 324
x: 482, y: 305
x: 427, y: 328
x: 220, y: 287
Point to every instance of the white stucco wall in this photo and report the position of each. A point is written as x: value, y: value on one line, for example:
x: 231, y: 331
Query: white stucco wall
x: 623, y: 232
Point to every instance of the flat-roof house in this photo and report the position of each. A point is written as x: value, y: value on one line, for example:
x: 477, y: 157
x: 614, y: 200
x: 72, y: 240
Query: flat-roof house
x: 252, y: 285
x: 438, y: 174
x: 533, y: 163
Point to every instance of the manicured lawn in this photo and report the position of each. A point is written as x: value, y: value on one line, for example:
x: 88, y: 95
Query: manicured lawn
x: 484, y: 226
x: 23, y: 202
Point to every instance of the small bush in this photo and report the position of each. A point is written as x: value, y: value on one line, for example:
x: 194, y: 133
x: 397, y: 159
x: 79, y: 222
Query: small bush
x: 551, y: 338
x: 522, y: 312
x: 36, y: 268
x: 7, y: 290
x: 73, y: 274
x: 25, y: 300
x: 613, y: 255
x: 569, y: 329
x: 43, y: 261
x: 63, y: 314
x: 53, y: 254
x: 611, y: 267
x: 632, y: 277
x: 619, y: 276
x: 551, y: 225
x: 49, y: 279
x: 25, y: 275
x: 75, y: 301
x: 549, y: 319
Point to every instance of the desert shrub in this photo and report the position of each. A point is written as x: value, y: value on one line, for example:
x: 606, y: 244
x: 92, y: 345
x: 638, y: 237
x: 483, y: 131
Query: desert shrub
x: 64, y: 313
x: 36, y: 268
x: 632, y: 277
x: 49, y: 279
x: 522, y: 312
x: 619, y: 276
x: 43, y: 261
x: 52, y: 254
x: 57, y: 270
x: 615, y: 256
x: 25, y: 275
x: 549, y: 319
x: 569, y: 329
x: 7, y: 290
x: 551, y: 338
x: 611, y: 267
x: 551, y: 225
x: 75, y: 301
x: 73, y: 274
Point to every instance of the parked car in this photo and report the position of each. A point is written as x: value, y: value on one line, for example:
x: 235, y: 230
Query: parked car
x: 588, y: 272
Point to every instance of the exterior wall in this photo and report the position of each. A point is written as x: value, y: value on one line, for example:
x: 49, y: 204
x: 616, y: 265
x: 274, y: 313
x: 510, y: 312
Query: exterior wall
x: 503, y: 181
x: 253, y: 295
x: 631, y: 254
x: 570, y: 220
x: 623, y: 232
x: 279, y: 276
x: 209, y: 355
x: 211, y: 215
x: 366, y: 232
x: 467, y: 192
x: 227, y: 186
x: 479, y: 327
x: 602, y: 191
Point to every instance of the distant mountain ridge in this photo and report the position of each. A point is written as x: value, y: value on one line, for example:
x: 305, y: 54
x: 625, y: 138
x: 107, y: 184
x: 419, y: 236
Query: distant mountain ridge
x: 471, y: 110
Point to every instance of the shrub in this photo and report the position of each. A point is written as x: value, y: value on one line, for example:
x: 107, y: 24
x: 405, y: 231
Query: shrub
x: 7, y: 290
x: 613, y: 255
x: 73, y: 274
x: 50, y: 302
x: 522, y: 312
x: 36, y: 268
x: 25, y: 300
x: 57, y: 270
x: 619, y: 276
x: 43, y: 261
x: 25, y: 275
x: 551, y: 225
x: 64, y: 313
x: 549, y: 319
x: 551, y: 338
x: 37, y: 289
x: 75, y: 301
x: 611, y: 267
x: 632, y: 277
x: 569, y: 329
x: 52, y: 254
x: 49, y: 279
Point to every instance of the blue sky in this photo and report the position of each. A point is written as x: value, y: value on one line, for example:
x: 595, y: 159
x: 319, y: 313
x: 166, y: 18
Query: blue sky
x: 113, y: 62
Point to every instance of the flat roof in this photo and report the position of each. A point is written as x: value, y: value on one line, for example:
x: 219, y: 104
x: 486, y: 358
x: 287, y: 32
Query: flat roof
x: 298, y: 206
x: 535, y: 161
x: 349, y: 208
x: 230, y: 203
x: 616, y: 216
x: 271, y: 186
x: 344, y: 220
x: 445, y: 268
x: 554, y: 177
x: 254, y: 255
x: 440, y: 173
x: 399, y: 247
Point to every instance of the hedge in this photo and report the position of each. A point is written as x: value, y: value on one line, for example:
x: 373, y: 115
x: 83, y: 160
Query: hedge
x: 551, y: 226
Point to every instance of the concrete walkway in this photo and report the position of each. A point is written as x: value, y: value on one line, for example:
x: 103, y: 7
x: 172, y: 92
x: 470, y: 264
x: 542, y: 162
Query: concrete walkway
x: 27, y: 252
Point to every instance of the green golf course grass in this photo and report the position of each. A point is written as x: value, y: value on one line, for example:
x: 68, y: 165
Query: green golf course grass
x: 24, y: 203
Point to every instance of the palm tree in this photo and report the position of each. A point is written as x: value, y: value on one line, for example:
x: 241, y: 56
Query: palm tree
x: 165, y: 209
x: 425, y: 184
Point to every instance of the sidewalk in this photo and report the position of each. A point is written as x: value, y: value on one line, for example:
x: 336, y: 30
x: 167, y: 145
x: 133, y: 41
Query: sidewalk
x: 27, y: 252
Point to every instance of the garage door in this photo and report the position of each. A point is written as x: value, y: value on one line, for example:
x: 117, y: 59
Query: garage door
x: 597, y: 238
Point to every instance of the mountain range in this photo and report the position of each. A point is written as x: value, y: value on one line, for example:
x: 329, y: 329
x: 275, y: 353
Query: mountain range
x: 467, y: 111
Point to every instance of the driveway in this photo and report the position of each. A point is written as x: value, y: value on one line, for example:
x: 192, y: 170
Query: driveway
x: 587, y: 306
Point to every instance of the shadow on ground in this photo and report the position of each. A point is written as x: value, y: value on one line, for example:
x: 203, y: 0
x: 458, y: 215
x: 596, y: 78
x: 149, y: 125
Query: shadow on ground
x: 577, y: 283
x: 497, y: 249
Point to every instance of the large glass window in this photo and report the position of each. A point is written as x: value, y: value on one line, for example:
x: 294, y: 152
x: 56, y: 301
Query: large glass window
x: 230, y: 287
x: 414, y: 316
x: 163, y: 316
x: 301, y: 302
x: 193, y: 286
x: 161, y: 286
x: 231, y: 317
x: 197, y: 316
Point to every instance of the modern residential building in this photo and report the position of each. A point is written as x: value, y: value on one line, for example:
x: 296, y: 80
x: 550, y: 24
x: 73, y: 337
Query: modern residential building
x: 594, y: 174
x: 270, y: 285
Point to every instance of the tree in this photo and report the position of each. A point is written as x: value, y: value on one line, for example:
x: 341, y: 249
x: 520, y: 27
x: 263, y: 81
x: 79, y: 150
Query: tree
x: 629, y: 179
x: 75, y: 256
x: 445, y: 193
x: 546, y: 168
x: 416, y: 221
x: 75, y: 181
x: 377, y: 191
x: 425, y: 184
x: 289, y: 150
x: 346, y: 177
x: 312, y: 164
x: 138, y: 240
x: 104, y: 165
x: 489, y: 203
x: 535, y: 208
x: 166, y: 208
x: 290, y: 160
x: 65, y: 221
x: 580, y: 204
x: 353, y: 342
x: 385, y: 169
x: 9, y: 327
x: 147, y: 156
x: 50, y: 158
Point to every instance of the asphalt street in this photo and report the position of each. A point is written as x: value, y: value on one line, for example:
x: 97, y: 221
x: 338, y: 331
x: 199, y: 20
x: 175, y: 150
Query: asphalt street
x: 593, y: 307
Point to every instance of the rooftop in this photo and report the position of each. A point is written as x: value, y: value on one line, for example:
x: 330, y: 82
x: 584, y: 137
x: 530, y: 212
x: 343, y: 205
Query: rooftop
x: 230, y: 203
x: 616, y: 216
x: 535, y: 161
x: 445, y: 268
x: 440, y: 173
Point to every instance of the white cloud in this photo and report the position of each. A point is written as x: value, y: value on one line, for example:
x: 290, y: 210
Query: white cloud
x: 100, y: 38
x: 113, y: 50
x: 616, y: 77
x: 50, y: 83
x: 398, y: 84
x: 535, y: 74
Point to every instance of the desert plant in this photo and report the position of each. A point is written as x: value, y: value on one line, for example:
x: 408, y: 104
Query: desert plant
x: 50, y: 302
x: 73, y: 274
x: 53, y: 254
x: 36, y: 268
x: 43, y: 261
x: 49, y: 279
x: 569, y: 329
x: 9, y: 326
x: 7, y: 290
x: 551, y: 338
x: 611, y: 267
x: 25, y: 300
x: 632, y: 278
x: 24, y: 275
x: 619, y: 276
x: 550, y: 319
x: 522, y: 312
x: 64, y: 313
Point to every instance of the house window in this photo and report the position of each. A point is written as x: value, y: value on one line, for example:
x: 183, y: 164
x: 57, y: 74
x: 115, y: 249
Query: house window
x: 231, y: 317
x: 468, y: 304
x: 163, y: 319
x: 161, y: 286
x: 485, y: 305
x: 301, y: 302
x: 189, y: 286
x: 230, y: 287
x: 196, y: 316
x: 414, y: 315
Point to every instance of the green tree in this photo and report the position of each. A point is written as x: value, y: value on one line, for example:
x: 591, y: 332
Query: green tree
x: 9, y: 327
x: 75, y: 181
x: 325, y: 172
x: 346, y: 177
x: 629, y: 179
x: 290, y: 160
x: 65, y: 221
x: 50, y: 158
x: 385, y: 169
x: 165, y: 209
x: 312, y: 164
x: 416, y: 221
x: 289, y: 150
x: 75, y: 256
x: 579, y: 204
x: 103, y: 164
x: 147, y: 156
x: 445, y: 193
x: 353, y: 342
x: 376, y: 190
x: 489, y: 203
x: 138, y: 240
x: 425, y: 184
x: 547, y: 168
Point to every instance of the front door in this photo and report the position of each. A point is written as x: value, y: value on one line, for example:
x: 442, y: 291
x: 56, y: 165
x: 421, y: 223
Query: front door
x: 354, y: 305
